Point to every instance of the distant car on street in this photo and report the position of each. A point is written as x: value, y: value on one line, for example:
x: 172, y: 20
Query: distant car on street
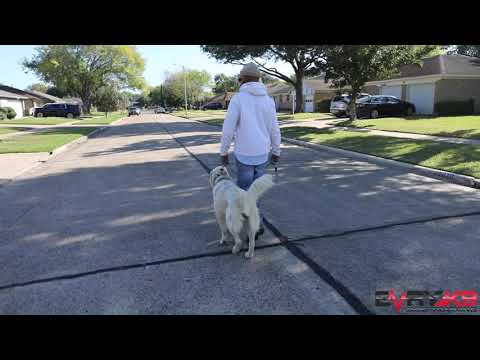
x: 160, y: 110
x: 212, y: 106
x: 134, y: 110
x: 384, y: 105
x: 58, y: 109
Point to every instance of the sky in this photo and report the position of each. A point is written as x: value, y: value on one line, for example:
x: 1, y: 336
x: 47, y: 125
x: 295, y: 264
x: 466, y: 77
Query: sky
x: 158, y: 59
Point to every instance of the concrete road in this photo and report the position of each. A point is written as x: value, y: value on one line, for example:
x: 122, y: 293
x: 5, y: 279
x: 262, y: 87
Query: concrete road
x: 119, y: 225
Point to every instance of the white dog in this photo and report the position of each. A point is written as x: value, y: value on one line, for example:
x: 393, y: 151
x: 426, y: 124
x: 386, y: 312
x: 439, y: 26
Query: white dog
x: 235, y: 207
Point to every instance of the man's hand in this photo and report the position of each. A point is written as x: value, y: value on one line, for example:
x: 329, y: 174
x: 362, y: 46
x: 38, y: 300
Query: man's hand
x: 275, y: 158
x: 224, y: 159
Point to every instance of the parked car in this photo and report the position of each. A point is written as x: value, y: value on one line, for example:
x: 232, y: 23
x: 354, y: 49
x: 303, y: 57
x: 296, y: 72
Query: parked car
x: 339, y: 104
x: 212, y: 106
x: 58, y: 109
x: 160, y: 110
x: 384, y: 105
x: 134, y: 110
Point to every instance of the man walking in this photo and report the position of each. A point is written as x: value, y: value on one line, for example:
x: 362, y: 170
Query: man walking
x: 252, y: 121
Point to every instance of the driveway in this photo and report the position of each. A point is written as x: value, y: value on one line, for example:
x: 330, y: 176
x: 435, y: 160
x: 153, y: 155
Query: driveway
x: 120, y: 225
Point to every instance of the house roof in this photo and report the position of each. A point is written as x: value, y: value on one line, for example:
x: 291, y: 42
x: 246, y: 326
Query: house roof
x: 30, y: 94
x: 222, y: 96
x: 279, y: 89
x: 319, y: 84
x: 8, y: 95
x: 43, y: 95
x: 442, y: 65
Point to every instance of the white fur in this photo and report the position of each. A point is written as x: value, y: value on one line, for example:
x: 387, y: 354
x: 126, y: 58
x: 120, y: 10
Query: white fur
x: 235, y: 207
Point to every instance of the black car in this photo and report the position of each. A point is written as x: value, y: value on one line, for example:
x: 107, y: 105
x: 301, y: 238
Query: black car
x: 212, y: 106
x: 384, y: 105
x: 58, y: 109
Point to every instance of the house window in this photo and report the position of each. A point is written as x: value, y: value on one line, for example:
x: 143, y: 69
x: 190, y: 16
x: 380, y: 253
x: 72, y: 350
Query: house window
x: 288, y: 98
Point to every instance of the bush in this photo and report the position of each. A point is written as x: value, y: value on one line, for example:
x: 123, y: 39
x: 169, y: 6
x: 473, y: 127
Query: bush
x: 3, y: 113
x: 455, y: 107
x: 10, y: 113
x: 323, y: 105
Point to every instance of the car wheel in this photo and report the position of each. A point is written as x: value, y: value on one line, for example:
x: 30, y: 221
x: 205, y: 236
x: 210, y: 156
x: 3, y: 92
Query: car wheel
x: 40, y: 115
x: 70, y: 115
x: 374, y: 114
x: 409, y: 111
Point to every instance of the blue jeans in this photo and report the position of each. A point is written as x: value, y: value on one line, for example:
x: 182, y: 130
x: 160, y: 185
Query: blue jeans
x: 247, y: 174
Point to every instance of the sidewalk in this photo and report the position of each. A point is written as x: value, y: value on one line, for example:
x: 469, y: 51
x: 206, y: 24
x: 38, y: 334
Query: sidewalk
x: 324, y: 124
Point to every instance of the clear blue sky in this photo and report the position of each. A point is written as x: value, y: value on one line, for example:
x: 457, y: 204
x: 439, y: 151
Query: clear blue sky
x: 159, y: 58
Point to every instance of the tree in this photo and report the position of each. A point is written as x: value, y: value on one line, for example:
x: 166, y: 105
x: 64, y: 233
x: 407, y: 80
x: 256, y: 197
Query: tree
x: 174, y: 87
x: 54, y: 91
x: 40, y: 87
x: 225, y: 83
x: 267, y: 79
x: 107, y: 99
x: 80, y: 70
x: 301, y: 58
x: 354, y: 65
x: 469, y: 50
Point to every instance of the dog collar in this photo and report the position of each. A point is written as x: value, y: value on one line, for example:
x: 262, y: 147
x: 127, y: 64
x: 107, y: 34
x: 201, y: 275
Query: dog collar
x: 217, y: 180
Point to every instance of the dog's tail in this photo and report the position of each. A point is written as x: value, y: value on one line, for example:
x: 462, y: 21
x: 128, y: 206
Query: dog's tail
x: 259, y: 187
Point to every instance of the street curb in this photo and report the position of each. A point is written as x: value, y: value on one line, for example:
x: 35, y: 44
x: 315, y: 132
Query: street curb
x: 453, y: 178
x: 56, y: 152
x: 80, y: 140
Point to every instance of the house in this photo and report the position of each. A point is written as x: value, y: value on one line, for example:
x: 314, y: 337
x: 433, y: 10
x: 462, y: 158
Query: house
x: 315, y: 90
x: 439, y: 79
x: 15, y: 101
x: 223, y: 99
x: 32, y: 99
x: 282, y: 94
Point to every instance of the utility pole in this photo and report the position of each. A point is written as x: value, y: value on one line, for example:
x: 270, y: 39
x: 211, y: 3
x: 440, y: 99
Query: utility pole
x: 185, y: 81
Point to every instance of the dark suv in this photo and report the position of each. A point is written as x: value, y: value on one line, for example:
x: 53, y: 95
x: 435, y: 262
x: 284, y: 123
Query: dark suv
x: 58, y: 109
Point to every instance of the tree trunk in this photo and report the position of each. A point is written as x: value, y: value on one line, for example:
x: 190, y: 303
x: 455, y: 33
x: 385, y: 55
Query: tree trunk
x: 299, y: 93
x: 87, y: 105
x: 353, y: 105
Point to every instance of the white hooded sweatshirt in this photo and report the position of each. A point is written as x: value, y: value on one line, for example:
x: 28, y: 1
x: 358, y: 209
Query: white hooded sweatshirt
x: 252, y: 119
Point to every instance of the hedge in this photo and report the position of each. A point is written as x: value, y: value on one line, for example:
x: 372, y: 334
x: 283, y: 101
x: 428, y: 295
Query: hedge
x: 455, y: 107
x: 7, y: 112
x: 323, y: 105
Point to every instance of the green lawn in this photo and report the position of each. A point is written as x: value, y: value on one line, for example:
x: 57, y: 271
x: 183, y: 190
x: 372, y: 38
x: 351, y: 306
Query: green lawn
x: 102, y: 120
x: 38, y: 121
x: 303, y: 116
x: 217, y: 116
x: 4, y: 130
x: 454, y: 126
x: 461, y: 159
x: 42, y: 142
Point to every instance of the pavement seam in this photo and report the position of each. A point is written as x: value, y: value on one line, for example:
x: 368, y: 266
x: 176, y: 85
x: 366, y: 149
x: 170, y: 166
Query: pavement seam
x: 125, y: 267
x: 349, y: 297
x: 386, y: 226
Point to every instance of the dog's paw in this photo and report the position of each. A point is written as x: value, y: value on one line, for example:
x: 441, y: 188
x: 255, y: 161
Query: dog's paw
x: 236, y: 248
x: 249, y: 254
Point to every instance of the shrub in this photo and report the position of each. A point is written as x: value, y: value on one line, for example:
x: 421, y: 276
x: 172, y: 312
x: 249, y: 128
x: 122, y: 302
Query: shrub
x: 455, y: 107
x: 10, y: 112
x: 3, y: 113
x: 323, y: 105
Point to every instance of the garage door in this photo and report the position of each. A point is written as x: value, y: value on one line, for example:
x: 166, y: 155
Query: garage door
x: 422, y: 96
x: 392, y: 91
